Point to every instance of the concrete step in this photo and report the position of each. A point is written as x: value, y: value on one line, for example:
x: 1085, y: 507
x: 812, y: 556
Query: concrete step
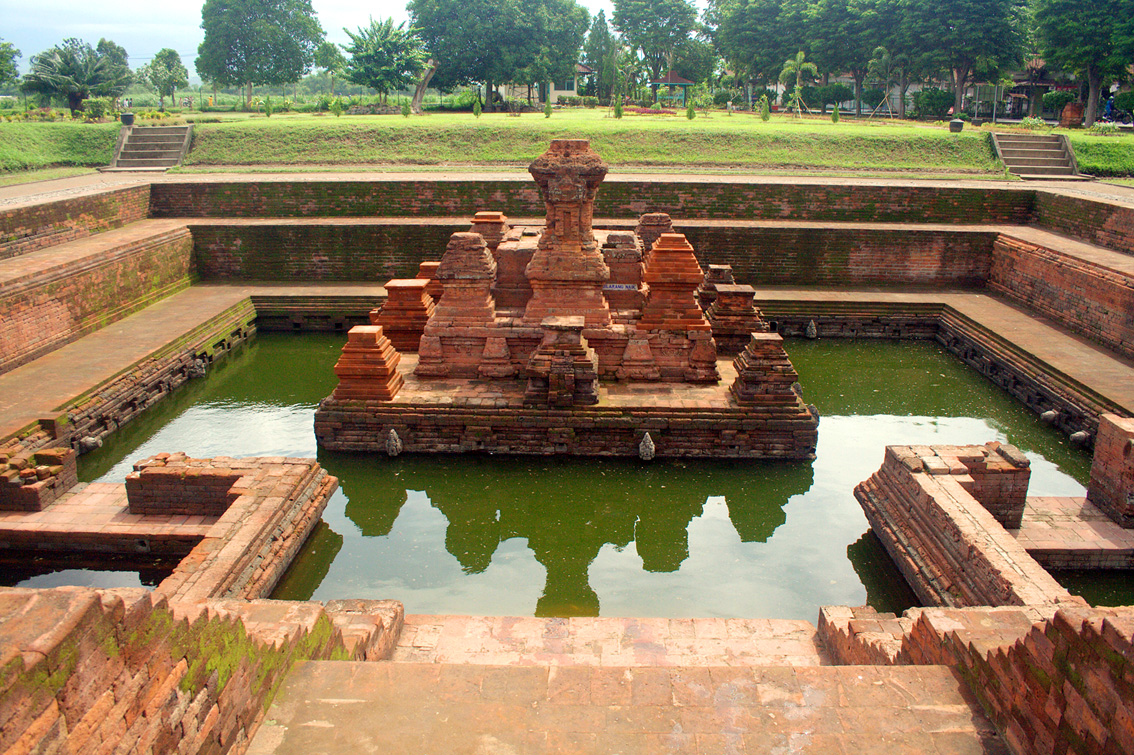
x: 1025, y: 152
x: 1068, y: 177
x: 133, y: 152
x: 152, y: 147
x: 347, y: 707
x: 159, y: 130
x: 147, y: 163
x: 1054, y: 162
x: 172, y: 141
x: 1042, y: 170
x: 603, y: 641
x: 1027, y: 139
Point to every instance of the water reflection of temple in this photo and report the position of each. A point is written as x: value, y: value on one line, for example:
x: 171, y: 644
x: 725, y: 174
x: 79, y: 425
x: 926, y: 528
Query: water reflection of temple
x: 569, y: 513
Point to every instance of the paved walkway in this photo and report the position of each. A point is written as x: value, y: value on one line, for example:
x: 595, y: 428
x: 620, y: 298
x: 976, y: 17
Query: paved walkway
x: 1071, y: 533
x: 608, y: 641
x: 444, y: 709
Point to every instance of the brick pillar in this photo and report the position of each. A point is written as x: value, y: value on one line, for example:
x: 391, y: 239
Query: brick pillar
x: 368, y: 367
x: 404, y: 314
x: 491, y: 226
x: 1112, y: 472
x: 764, y: 374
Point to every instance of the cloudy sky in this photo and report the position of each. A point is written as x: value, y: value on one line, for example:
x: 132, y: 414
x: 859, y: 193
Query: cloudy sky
x: 144, y: 26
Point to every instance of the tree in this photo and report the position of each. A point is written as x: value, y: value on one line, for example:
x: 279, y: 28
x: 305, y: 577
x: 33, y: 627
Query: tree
x: 8, y: 56
x: 598, y: 54
x: 383, y: 57
x: 330, y: 58
x: 656, y: 28
x: 795, y: 68
x: 969, y: 37
x: 493, y: 41
x: 250, y: 42
x: 755, y: 36
x: 76, y: 71
x: 841, y: 35
x: 697, y: 60
x: 166, y: 74
x: 1084, y: 36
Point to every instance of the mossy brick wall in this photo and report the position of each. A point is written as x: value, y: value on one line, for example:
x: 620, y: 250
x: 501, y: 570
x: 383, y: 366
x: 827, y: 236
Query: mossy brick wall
x: 1065, y: 686
x: 320, y: 251
x: 616, y: 199
x: 768, y: 255
x: 759, y: 254
x: 1097, y: 222
x: 26, y: 229
x: 45, y: 310
x: 94, y: 671
x: 1091, y: 300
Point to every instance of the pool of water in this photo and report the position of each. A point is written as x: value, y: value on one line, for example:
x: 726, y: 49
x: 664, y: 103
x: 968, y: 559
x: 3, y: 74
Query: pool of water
x: 554, y: 536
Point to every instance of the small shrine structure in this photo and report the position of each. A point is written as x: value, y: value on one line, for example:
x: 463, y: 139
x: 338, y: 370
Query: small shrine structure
x: 555, y: 339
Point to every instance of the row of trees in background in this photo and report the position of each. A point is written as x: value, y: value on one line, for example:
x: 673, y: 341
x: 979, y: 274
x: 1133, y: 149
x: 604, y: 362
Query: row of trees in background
x: 451, y: 43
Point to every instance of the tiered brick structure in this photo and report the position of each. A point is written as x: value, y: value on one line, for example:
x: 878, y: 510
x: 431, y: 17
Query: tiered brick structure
x: 428, y: 271
x: 651, y: 226
x: 564, y: 370
x: 764, y: 374
x: 492, y: 226
x: 405, y: 312
x: 368, y: 367
x: 622, y: 252
x: 567, y: 270
x: 734, y: 317
x: 31, y: 481
x: 680, y: 336
x: 716, y: 275
x: 454, y: 339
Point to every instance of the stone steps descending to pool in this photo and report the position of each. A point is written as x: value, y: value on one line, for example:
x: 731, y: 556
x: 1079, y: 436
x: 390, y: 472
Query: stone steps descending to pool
x: 608, y: 641
x: 347, y: 707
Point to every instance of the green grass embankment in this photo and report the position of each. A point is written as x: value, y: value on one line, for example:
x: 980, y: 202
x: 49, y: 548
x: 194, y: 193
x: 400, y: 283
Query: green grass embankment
x: 1103, y: 155
x: 739, y: 141
x: 30, y: 146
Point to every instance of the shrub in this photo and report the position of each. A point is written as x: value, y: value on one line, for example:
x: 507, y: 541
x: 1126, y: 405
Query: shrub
x: 1124, y: 101
x: 690, y: 113
x: 268, y: 107
x: 618, y: 107
x: 933, y: 102
x: 1104, y: 129
x: 835, y: 114
x: 1031, y: 123
x: 476, y: 108
x: 97, y: 108
x: 590, y: 102
x: 547, y: 108
x: 765, y: 108
x: 336, y: 107
x: 656, y: 106
x: 406, y: 109
x: 1057, y: 100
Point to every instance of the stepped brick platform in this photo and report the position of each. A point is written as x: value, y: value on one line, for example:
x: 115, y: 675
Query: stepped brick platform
x: 456, y: 415
x: 442, y: 708
x: 608, y: 642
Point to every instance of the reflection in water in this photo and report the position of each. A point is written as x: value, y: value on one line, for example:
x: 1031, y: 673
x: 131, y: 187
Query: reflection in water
x: 886, y: 590
x: 488, y: 535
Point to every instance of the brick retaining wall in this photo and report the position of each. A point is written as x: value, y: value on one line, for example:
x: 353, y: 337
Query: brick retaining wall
x: 1092, y: 220
x: 616, y: 199
x: 1089, y: 299
x: 26, y: 229
x: 42, y: 311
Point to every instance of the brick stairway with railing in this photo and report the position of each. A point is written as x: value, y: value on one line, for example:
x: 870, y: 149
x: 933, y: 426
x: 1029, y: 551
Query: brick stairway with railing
x: 152, y: 148
x: 1032, y: 156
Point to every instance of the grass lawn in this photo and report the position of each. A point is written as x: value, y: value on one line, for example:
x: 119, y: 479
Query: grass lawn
x: 30, y: 146
x: 1103, y: 155
x: 738, y: 141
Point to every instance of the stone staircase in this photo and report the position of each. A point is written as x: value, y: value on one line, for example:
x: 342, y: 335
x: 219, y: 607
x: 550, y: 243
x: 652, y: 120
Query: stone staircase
x: 152, y: 148
x: 1038, y: 157
x: 467, y: 684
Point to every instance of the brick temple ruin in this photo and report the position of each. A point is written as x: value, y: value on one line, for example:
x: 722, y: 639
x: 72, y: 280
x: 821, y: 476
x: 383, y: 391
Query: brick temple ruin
x: 541, y: 339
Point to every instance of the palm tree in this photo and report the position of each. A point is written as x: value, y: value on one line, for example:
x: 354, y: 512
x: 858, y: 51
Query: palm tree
x: 75, y: 70
x: 796, y: 68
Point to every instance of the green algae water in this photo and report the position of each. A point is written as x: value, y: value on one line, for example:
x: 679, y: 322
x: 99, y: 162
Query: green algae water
x: 482, y: 534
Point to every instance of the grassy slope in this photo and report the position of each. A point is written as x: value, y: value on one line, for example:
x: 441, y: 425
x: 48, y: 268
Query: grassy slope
x: 1104, y: 155
x: 720, y: 141
x: 27, y: 146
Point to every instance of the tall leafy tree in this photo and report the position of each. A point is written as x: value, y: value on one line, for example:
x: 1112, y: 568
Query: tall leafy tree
x: 76, y: 71
x: 756, y: 36
x: 165, y: 73
x: 257, y: 42
x: 384, y: 57
x: 842, y: 34
x: 8, y: 56
x: 656, y: 28
x: 329, y: 57
x: 496, y: 41
x: 969, y: 37
x: 796, y: 70
x: 1086, y: 37
x: 598, y: 53
x: 696, y: 59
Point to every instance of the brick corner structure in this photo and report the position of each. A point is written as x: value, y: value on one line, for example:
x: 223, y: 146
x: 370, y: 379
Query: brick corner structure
x: 30, y: 481
x: 1112, y: 471
x: 368, y: 367
x: 941, y: 513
